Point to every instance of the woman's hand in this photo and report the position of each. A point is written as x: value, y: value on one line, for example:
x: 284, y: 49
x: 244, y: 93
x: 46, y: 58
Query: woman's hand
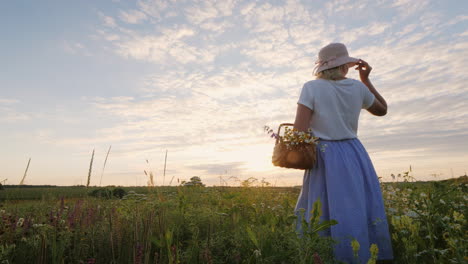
x: 364, y: 70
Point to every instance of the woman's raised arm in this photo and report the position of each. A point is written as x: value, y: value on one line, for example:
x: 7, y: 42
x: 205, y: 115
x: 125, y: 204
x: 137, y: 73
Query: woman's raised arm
x: 379, y: 107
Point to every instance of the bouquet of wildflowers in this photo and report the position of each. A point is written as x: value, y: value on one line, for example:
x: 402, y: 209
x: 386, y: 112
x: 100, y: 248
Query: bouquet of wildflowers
x: 293, y: 137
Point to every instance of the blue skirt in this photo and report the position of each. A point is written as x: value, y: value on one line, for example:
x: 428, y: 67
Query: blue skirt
x: 346, y: 183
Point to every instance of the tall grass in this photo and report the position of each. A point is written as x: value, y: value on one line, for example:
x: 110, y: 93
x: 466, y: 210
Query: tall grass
x: 104, y: 166
x: 90, y: 169
x: 178, y: 225
x: 164, y: 173
x: 218, y: 225
x: 25, y: 172
x: 150, y: 175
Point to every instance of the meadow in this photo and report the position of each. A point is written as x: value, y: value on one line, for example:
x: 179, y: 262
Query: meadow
x: 195, y: 224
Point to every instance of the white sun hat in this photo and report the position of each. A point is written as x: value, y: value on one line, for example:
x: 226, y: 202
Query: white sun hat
x: 331, y: 56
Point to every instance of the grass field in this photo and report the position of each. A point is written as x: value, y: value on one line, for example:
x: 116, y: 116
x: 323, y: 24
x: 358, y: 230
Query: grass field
x: 213, y: 225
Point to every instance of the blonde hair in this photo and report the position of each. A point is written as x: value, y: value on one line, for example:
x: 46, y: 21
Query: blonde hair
x: 333, y: 73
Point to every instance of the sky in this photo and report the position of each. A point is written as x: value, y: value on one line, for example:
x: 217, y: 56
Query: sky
x: 201, y: 79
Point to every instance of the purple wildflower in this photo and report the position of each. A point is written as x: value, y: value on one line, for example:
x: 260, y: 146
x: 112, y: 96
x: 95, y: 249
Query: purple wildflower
x: 139, y: 254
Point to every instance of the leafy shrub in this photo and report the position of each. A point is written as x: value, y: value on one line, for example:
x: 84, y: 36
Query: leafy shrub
x: 119, y: 193
x: 108, y: 193
x: 194, y: 181
x: 101, y: 193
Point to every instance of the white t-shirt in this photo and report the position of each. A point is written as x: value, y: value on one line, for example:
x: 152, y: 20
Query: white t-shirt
x: 336, y: 106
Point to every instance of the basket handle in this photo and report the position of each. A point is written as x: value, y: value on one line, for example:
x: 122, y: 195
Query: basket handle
x: 279, y: 128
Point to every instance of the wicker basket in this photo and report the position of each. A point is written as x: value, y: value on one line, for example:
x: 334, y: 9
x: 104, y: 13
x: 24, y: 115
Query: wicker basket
x: 302, y: 156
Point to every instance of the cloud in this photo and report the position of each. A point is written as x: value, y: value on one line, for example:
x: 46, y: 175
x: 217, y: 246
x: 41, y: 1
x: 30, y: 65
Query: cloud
x: 406, y: 30
x: 8, y: 101
x: 226, y: 7
x: 167, y: 47
x: 9, y: 112
x: 209, y: 10
x: 364, y: 32
x: 464, y: 34
x: 132, y: 16
x: 75, y: 48
x: 10, y: 116
x: 264, y: 18
x: 457, y: 20
x: 218, y: 168
x: 215, y: 26
x: 230, y: 109
x: 247, y: 8
x: 267, y: 55
x: 303, y: 34
x: 153, y: 8
x: 407, y: 8
x: 198, y: 14
x: 108, y: 21
x: 338, y: 6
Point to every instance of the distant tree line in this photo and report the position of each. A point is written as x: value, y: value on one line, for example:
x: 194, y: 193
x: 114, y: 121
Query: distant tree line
x: 29, y: 186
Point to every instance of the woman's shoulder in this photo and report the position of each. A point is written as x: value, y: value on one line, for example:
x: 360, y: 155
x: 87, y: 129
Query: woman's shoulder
x: 316, y: 83
x: 354, y: 81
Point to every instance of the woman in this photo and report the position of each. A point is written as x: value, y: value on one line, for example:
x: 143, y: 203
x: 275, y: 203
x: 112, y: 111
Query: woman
x: 344, y: 178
